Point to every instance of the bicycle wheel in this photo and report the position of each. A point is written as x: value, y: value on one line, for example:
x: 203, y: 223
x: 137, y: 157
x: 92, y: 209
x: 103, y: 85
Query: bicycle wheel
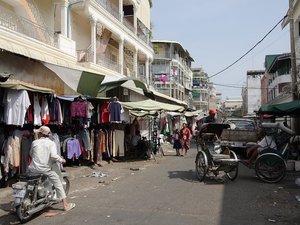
x: 270, y: 168
x: 201, y: 165
x: 233, y: 169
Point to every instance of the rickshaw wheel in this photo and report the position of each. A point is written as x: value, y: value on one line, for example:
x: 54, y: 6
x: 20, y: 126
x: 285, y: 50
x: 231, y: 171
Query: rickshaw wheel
x: 270, y: 168
x: 234, y: 170
x: 201, y: 165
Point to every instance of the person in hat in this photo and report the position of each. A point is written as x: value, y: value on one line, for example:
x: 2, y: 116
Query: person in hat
x: 43, y: 153
x: 211, y: 116
x: 208, y: 119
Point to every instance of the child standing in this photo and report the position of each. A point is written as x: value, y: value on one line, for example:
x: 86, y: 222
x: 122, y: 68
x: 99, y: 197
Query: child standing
x: 177, y: 144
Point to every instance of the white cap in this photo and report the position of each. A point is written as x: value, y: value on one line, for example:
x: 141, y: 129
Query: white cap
x: 43, y: 130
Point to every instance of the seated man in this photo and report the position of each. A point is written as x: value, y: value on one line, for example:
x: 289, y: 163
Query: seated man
x: 266, y: 141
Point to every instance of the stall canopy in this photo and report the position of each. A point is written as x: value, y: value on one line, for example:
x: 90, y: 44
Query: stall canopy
x: 151, y: 105
x: 80, y: 79
x: 142, y: 113
x: 283, y: 109
x: 4, y: 76
x: 194, y: 113
x: 21, y: 85
x: 125, y: 82
x: 165, y: 98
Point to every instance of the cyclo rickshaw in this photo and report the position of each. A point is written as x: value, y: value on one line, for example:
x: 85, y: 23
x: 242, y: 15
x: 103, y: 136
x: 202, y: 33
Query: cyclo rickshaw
x: 271, y: 164
x: 212, y: 157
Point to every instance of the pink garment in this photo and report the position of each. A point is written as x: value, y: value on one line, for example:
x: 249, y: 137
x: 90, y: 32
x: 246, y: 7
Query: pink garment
x: 79, y: 109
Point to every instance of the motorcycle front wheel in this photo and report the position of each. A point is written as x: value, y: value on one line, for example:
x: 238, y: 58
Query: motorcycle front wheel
x: 22, y: 214
x: 66, y: 185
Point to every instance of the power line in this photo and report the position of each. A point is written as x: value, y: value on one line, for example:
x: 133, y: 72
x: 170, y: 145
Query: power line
x: 234, y: 86
x: 221, y: 71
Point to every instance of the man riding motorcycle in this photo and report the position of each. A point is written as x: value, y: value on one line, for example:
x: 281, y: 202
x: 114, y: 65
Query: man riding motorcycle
x: 43, y: 152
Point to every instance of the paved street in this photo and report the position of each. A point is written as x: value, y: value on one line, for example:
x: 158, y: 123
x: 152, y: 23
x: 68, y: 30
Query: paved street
x: 167, y: 192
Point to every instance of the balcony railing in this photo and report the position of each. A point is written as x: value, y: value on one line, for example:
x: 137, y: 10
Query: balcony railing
x: 21, y: 25
x: 112, y: 9
x: 128, y: 24
x: 102, y: 60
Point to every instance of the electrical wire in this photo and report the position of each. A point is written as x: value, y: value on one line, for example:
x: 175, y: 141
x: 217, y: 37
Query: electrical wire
x: 240, y: 87
x: 226, y: 68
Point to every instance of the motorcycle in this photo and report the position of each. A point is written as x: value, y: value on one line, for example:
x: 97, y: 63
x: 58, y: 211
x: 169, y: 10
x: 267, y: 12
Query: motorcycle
x: 34, y: 192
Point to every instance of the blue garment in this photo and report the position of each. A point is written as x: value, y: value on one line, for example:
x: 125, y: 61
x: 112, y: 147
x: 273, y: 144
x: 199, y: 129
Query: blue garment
x: 115, y: 111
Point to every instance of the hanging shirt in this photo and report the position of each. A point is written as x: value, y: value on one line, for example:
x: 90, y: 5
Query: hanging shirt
x: 37, y: 111
x: 104, y: 110
x: 73, y: 148
x: 79, y: 109
x: 115, y: 111
x: 45, y: 114
x: 16, y: 104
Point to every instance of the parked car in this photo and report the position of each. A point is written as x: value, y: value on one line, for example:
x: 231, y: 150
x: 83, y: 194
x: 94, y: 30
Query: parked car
x: 241, y: 132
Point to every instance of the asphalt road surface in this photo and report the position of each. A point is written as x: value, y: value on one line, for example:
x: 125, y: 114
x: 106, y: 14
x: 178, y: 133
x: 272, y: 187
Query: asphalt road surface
x: 167, y: 192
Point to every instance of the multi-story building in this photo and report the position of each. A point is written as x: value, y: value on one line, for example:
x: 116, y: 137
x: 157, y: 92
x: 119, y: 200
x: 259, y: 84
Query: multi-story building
x: 253, y: 90
x: 171, y: 70
x: 278, y: 73
x: 293, y: 16
x: 102, y: 37
x: 232, y: 104
x: 200, y: 89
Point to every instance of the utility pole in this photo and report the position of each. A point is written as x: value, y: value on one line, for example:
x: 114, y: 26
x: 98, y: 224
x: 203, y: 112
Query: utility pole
x: 293, y: 54
x: 293, y: 62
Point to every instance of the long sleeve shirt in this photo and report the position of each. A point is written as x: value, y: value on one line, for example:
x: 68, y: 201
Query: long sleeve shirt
x: 43, y: 153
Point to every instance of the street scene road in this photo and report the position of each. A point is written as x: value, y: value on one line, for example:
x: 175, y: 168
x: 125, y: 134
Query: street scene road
x: 167, y: 191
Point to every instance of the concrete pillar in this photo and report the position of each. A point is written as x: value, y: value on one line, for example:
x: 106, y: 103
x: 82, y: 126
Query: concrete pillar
x: 147, y: 71
x: 121, y: 54
x: 121, y: 10
x: 135, y: 62
x: 135, y: 20
x: 93, y: 38
x: 64, y: 18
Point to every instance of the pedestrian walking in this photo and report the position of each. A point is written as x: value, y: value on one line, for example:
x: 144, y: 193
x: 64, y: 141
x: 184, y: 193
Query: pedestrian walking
x: 176, y: 139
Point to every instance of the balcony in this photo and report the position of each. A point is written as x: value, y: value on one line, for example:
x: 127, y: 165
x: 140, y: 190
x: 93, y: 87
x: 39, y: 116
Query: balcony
x: 18, y: 24
x: 101, y: 59
x: 112, y: 9
x: 142, y: 33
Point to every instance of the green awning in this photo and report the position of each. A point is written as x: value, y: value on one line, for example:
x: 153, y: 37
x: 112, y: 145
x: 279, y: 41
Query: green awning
x: 80, y: 79
x: 151, y: 105
x: 21, y: 85
x: 283, y: 109
x: 126, y: 82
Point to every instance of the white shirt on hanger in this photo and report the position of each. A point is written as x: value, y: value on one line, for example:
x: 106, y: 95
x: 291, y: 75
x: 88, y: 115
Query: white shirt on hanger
x: 37, y: 110
x: 16, y: 105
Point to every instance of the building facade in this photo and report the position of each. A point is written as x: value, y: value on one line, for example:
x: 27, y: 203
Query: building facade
x: 171, y: 70
x: 279, y: 79
x: 253, y: 90
x: 107, y: 37
x: 200, y: 89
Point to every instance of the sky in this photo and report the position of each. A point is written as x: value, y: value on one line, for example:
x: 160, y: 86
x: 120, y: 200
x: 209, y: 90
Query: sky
x: 216, y: 33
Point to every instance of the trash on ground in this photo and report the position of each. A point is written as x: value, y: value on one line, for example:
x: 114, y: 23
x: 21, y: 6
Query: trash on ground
x: 134, y: 169
x: 271, y: 220
x: 297, y: 198
x: 95, y: 174
x: 116, y: 178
